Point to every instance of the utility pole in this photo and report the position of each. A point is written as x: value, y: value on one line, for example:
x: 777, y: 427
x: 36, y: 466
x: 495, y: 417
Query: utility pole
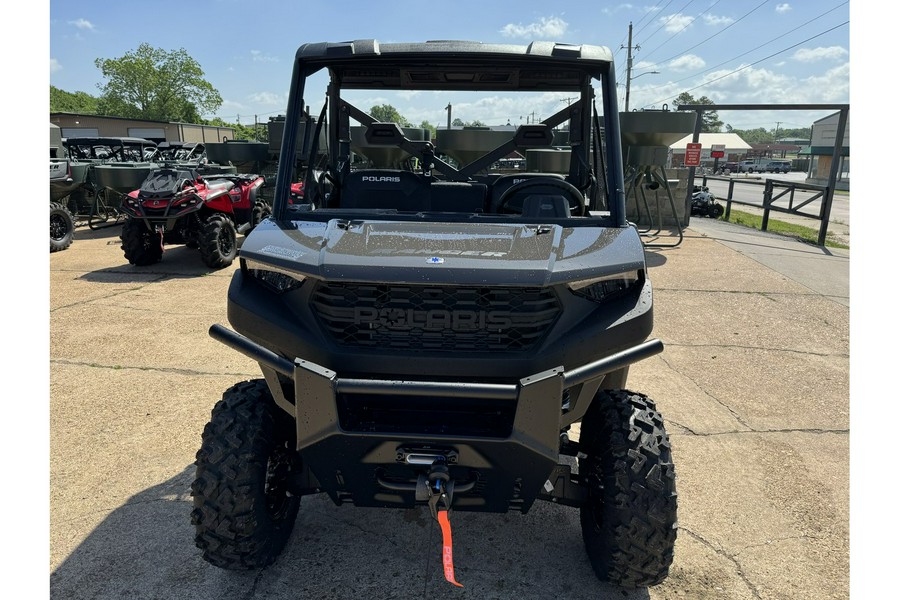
x: 628, y: 69
x: 449, y: 110
x: 777, y: 123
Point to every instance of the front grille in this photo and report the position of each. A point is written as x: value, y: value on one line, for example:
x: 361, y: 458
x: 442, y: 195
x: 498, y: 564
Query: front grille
x: 426, y: 415
x: 155, y: 212
x: 434, y: 318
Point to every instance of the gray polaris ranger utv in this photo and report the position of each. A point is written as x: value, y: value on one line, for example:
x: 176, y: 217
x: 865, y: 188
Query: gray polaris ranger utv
x: 434, y: 332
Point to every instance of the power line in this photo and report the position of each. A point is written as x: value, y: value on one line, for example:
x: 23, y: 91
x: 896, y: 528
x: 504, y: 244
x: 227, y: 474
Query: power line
x: 672, y: 16
x: 721, y: 31
x: 706, y: 83
x: 733, y: 58
x: 647, y: 13
x: 638, y: 47
x: 688, y: 24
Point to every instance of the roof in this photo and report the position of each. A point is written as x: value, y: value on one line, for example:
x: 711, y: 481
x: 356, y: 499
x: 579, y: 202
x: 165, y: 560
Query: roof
x: 732, y: 141
x: 457, y: 65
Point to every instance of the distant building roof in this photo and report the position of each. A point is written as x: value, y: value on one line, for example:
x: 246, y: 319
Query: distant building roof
x: 779, y: 147
x: 732, y: 141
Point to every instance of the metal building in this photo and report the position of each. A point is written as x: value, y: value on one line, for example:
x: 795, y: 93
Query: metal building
x: 78, y: 125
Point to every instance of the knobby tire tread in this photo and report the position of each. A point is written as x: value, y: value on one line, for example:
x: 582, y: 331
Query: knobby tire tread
x: 630, y: 523
x: 233, y: 519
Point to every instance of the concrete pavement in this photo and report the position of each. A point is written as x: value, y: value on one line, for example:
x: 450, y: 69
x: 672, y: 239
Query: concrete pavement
x: 753, y: 385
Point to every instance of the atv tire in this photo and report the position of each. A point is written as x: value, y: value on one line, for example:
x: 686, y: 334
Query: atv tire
x: 716, y: 211
x: 218, y: 242
x: 260, y: 211
x: 243, y: 514
x: 62, y: 227
x: 141, y: 246
x: 629, y: 524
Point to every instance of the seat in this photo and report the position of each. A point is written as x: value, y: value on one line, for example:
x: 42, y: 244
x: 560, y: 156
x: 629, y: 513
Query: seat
x: 377, y: 188
x: 458, y: 196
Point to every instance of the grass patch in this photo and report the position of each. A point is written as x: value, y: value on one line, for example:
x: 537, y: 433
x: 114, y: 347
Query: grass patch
x: 806, y: 234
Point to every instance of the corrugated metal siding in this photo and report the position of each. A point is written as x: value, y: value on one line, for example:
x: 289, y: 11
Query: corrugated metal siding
x: 115, y: 127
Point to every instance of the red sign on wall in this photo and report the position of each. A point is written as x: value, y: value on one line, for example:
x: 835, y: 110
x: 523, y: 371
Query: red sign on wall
x: 692, y: 155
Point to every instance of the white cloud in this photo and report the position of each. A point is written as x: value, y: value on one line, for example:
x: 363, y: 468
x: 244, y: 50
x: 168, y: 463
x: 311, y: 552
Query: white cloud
x: 258, y: 56
x: 714, y: 20
x: 815, y: 54
x: 687, y: 62
x: 54, y: 65
x: 832, y: 87
x: 783, y: 8
x: 268, y: 98
x: 546, y: 28
x: 675, y: 23
x: 615, y: 9
x: 82, y: 24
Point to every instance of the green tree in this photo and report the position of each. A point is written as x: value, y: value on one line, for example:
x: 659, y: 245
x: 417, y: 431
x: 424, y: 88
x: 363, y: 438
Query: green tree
x: 711, y: 122
x: 430, y: 127
x: 241, y: 131
x: 72, y: 102
x: 385, y: 113
x: 154, y: 84
x: 457, y: 122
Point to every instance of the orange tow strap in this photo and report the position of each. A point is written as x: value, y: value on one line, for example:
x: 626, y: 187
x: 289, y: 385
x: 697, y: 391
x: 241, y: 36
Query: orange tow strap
x: 448, y: 547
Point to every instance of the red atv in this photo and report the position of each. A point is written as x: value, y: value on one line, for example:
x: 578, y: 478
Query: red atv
x: 178, y: 205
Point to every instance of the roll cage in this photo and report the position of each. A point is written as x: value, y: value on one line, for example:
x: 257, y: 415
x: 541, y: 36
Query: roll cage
x: 595, y: 167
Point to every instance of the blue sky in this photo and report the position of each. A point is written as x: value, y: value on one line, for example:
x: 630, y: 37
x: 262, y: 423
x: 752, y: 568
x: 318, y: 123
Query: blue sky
x: 732, y: 52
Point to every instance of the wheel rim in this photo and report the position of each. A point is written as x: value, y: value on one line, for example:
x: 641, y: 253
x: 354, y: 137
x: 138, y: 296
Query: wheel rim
x: 58, y: 227
x: 226, y: 244
x: 277, y: 469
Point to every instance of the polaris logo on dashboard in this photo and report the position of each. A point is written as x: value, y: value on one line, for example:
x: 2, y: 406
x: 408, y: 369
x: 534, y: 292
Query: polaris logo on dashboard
x: 381, y: 178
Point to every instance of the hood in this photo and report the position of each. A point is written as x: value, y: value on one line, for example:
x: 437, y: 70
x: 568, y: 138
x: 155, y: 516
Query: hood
x: 445, y: 253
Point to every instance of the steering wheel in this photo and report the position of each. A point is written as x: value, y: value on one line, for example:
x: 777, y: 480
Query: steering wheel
x: 575, y: 198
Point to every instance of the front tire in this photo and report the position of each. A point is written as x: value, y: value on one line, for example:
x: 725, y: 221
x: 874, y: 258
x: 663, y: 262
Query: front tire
x: 218, y: 242
x: 243, y: 513
x: 629, y: 524
x: 141, y: 246
x: 62, y: 227
x: 260, y: 211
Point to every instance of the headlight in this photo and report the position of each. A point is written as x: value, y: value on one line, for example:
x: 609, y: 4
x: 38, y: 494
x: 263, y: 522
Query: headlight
x: 274, y: 278
x: 601, y: 289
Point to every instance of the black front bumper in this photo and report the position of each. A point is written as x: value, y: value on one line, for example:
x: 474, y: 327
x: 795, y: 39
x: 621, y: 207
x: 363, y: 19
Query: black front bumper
x: 368, y: 441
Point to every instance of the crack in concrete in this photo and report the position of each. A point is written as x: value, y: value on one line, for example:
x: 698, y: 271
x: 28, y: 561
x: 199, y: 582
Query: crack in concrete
x: 733, y: 413
x: 731, y: 557
x: 177, y: 371
x: 359, y: 527
x: 251, y: 593
x: 111, y: 295
x: 812, y: 430
x: 743, y: 347
x: 735, y: 292
x: 777, y: 540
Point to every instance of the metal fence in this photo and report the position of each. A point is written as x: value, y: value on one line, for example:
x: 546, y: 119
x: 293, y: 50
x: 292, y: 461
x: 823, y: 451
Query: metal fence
x: 782, y: 197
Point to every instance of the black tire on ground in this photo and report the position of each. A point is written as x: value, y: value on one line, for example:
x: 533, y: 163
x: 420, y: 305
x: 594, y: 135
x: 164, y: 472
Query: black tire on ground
x: 62, y: 227
x: 141, y: 246
x: 629, y: 524
x: 717, y: 211
x: 243, y: 515
x: 218, y: 242
x: 260, y: 211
